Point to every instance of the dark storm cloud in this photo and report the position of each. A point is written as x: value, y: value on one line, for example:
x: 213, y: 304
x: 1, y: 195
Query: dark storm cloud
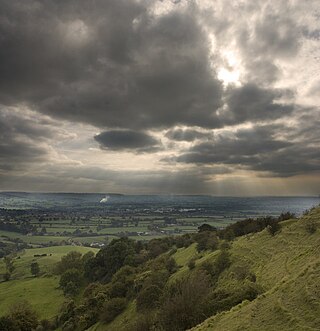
x: 127, y: 140
x: 260, y: 149
x: 118, y: 66
x: 253, y: 103
x: 243, y: 147
x: 186, y: 134
x: 295, y: 160
x: 115, y: 64
x: 108, y: 63
x: 20, y: 140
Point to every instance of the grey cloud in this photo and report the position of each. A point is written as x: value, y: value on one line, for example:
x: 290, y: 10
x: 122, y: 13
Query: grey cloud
x: 253, y: 103
x: 296, y: 160
x: 262, y: 71
x: 187, y: 134
x: 20, y: 141
x: 259, y: 149
x: 275, y: 35
x: 27, y: 139
x: 234, y: 148
x: 127, y: 140
x: 126, y: 67
x: 311, y: 33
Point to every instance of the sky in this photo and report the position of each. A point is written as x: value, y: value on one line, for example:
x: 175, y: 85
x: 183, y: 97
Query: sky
x: 215, y: 97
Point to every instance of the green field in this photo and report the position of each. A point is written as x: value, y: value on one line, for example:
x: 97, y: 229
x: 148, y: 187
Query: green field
x: 42, y: 292
x: 36, y: 240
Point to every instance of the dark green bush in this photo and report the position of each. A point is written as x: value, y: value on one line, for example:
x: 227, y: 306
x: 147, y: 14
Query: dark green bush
x: 70, y: 281
x: 192, y: 264
x: 148, y: 298
x: 113, y: 308
x: 23, y: 316
x: 184, y: 303
x: 171, y: 265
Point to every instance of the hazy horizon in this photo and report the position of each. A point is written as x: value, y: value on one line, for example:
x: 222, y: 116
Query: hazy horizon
x: 165, y: 194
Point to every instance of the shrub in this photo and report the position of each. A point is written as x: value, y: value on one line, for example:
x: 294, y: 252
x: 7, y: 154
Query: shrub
x: 35, y: 270
x: 46, y: 325
x: 149, y: 297
x: 192, y: 264
x: 118, y: 289
x: 6, y: 324
x: 222, y: 261
x: 70, y: 281
x: 171, y: 265
x: 23, y: 316
x: 222, y: 299
x: 273, y: 228
x: 206, y: 227
x: 215, y: 268
x: 7, y: 276
x: 311, y: 226
x: 184, y: 303
x: 206, y: 240
x: 113, y: 308
x: 67, y: 312
x: 145, y: 322
x: 70, y: 261
x: 286, y: 216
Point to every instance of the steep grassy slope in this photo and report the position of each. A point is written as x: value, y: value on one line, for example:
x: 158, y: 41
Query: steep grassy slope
x: 288, y: 268
x: 42, y: 292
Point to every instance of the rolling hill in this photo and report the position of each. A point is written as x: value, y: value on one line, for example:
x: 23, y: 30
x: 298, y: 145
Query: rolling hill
x: 286, y: 268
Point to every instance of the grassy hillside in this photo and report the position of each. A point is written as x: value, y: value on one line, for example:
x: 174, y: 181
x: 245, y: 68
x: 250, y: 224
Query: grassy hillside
x: 42, y: 292
x: 288, y: 267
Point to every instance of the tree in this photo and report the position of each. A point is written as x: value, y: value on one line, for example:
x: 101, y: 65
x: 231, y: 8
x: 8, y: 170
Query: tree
x: 70, y: 261
x: 23, y: 316
x: 35, y: 269
x: 206, y: 227
x: 113, y: 308
x: 185, y: 303
x: 171, y: 265
x: 9, y: 267
x: 192, y: 264
x: 148, y: 298
x: 9, y: 264
x: 6, y: 324
x: 70, y: 281
x: 110, y: 259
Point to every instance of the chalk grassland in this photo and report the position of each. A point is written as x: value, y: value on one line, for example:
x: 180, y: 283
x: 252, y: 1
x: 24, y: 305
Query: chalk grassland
x: 42, y: 292
x: 287, y: 266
